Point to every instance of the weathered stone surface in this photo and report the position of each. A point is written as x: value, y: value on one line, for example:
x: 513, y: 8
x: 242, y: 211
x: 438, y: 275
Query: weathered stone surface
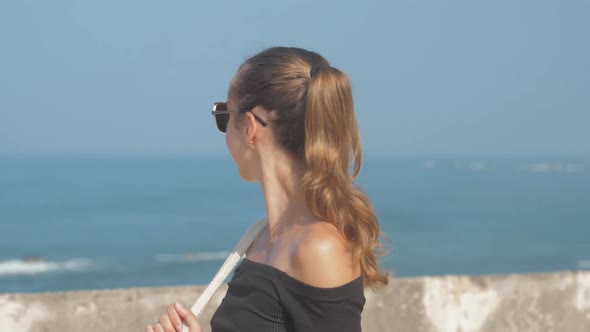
x: 558, y: 301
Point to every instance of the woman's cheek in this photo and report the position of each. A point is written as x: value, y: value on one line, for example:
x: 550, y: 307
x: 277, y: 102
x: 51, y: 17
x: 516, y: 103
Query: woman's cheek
x: 239, y: 151
x: 233, y: 145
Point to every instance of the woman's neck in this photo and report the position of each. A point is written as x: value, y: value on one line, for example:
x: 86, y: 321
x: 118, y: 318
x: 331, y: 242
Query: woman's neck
x: 285, y: 203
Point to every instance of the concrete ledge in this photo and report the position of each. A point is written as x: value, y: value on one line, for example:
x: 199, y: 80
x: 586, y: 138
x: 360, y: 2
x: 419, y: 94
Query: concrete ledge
x: 558, y: 301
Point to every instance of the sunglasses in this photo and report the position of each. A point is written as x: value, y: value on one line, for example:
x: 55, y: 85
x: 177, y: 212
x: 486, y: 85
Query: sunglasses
x: 221, y: 114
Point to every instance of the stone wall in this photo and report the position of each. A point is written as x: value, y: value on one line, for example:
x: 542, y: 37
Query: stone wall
x: 558, y: 301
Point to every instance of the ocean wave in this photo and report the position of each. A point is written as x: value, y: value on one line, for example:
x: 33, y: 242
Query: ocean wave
x: 193, y: 257
x: 544, y: 167
x: 583, y: 264
x: 429, y: 164
x: 13, y: 267
x: 476, y: 165
x: 479, y: 165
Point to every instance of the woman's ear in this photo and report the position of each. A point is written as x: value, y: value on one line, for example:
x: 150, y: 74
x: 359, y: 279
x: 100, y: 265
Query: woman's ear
x: 252, y: 126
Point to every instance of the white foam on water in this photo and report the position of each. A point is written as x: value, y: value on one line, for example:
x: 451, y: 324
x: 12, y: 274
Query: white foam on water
x: 544, y: 167
x: 479, y: 165
x: 193, y: 257
x: 13, y: 267
x: 540, y: 167
x: 474, y: 165
x: 574, y: 168
x: 429, y: 164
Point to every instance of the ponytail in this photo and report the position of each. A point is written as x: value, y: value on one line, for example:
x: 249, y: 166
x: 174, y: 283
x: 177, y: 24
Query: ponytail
x: 332, y: 141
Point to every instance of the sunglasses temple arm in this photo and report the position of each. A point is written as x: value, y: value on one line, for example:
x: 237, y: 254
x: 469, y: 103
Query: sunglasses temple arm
x: 262, y: 122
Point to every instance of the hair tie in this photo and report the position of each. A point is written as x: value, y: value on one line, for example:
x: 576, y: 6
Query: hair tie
x: 314, y: 70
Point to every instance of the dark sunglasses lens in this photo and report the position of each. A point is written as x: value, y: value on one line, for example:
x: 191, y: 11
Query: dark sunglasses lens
x: 221, y: 119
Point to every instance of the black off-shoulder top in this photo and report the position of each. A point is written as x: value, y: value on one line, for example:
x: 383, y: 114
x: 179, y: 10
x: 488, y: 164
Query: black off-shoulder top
x: 262, y: 298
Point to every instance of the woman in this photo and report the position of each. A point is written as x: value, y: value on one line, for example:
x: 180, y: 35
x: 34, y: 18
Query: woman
x: 290, y: 125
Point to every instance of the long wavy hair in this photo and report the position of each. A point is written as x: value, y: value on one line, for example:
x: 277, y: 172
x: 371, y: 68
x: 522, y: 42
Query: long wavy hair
x: 313, y: 118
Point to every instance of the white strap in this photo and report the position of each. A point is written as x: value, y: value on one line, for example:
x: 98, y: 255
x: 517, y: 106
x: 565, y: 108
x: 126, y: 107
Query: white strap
x: 226, y: 268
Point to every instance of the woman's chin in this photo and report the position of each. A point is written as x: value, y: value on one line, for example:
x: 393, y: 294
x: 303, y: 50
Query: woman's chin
x: 247, y: 177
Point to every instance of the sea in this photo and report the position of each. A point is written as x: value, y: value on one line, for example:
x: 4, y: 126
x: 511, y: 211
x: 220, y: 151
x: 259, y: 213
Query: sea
x: 98, y: 221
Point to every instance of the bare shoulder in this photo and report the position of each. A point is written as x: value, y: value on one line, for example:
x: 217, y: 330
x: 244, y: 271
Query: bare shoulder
x: 321, y: 257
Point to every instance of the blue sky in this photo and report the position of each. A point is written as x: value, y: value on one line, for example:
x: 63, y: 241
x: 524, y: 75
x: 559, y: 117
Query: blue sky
x: 429, y: 77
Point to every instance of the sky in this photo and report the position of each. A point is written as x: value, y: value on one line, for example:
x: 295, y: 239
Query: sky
x: 429, y: 77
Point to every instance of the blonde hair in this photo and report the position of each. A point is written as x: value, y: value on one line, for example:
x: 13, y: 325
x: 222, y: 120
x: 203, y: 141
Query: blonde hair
x: 313, y: 118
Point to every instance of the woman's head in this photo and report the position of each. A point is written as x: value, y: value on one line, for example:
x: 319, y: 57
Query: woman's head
x: 311, y: 114
x: 309, y: 111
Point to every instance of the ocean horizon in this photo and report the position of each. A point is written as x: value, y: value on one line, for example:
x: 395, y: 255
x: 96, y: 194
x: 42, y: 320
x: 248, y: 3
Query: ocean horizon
x: 92, y: 221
